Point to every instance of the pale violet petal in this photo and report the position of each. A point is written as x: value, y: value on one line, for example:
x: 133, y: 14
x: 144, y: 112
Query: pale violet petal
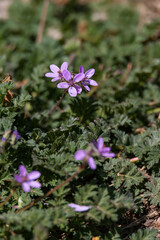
x: 72, y: 91
x: 26, y: 186
x: 82, y: 208
x: 108, y: 155
x: 91, y: 163
x: 51, y: 75
x: 22, y: 170
x: 79, y: 77
x: 63, y: 85
x: 86, y: 87
x: 64, y: 66
x: 33, y: 175
x: 78, y: 88
x: 18, y: 178
x: 35, y: 184
x: 55, y: 79
x: 54, y: 68
x: 100, y: 143
x: 80, y: 155
x: 91, y: 82
x: 81, y: 69
x: 67, y: 75
x: 90, y: 73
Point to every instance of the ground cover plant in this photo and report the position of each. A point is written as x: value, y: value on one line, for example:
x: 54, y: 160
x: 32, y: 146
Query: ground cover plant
x: 79, y: 123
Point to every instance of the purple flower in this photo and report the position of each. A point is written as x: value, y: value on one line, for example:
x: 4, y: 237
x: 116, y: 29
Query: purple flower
x: 82, y: 154
x: 71, y: 83
x: 88, y: 74
x: 102, y: 150
x: 79, y: 208
x: 27, y: 180
x: 57, y: 73
x: 16, y: 134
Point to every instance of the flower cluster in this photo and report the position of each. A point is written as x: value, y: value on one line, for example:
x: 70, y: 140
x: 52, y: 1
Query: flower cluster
x: 71, y: 81
x: 96, y: 149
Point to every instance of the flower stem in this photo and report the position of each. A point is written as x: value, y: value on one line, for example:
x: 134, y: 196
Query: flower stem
x: 42, y: 21
x: 7, y: 199
x: 57, y: 104
x: 50, y: 192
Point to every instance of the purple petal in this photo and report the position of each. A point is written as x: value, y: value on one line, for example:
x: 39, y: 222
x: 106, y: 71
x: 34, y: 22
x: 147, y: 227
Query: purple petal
x: 86, y: 87
x: 26, y: 186
x: 33, y: 175
x: 80, y: 155
x: 81, y: 69
x: 91, y: 82
x: 34, y: 184
x: 90, y: 73
x: 72, y: 91
x: 51, y: 75
x: 67, y: 75
x: 100, y: 143
x: 108, y: 155
x: 63, y: 85
x: 54, y: 68
x: 22, y: 170
x: 105, y: 149
x: 18, y: 178
x: 4, y: 139
x: 79, y: 77
x: 78, y: 88
x: 55, y: 79
x: 16, y: 134
x: 91, y: 163
x: 79, y: 208
x: 64, y: 66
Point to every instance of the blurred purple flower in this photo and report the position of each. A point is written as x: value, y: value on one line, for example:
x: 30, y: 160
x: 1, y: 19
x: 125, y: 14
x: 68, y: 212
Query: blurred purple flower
x: 16, y: 134
x: 57, y: 73
x: 79, y: 208
x: 102, y: 150
x: 82, y: 154
x: 27, y: 180
x: 71, y: 84
x: 88, y: 74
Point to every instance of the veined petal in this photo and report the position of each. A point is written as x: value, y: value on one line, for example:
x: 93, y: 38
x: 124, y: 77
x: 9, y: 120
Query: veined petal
x: 33, y: 175
x: 52, y: 75
x: 18, y: 178
x: 22, y: 170
x: 79, y: 208
x: 72, y: 91
x: 86, y: 87
x: 26, y: 186
x: 78, y: 88
x: 64, y: 66
x: 79, y: 77
x: 100, y: 143
x: 67, y: 75
x: 81, y: 69
x: 63, y: 85
x: 108, y: 155
x: 91, y: 82
x: 35, y: 184
x: 54, y: 68
x: 80, y: 155
x: 91, y: 163
x: 90, y: 73
x: 55, y: 79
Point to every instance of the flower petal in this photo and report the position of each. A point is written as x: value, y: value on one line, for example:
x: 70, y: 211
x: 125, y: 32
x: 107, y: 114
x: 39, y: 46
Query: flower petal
x: 81, y: 69
x: 64, y: 66
x: 18, y: 178
x: 33, y: 175
x: 22, y: 170
x: 35, y: 184
x: 108, y: 155
x: 90, y: 73
x: 67, y: 75
x: 80, y: 155
x: 91, y: 82
x: 26, y: 186
x: 72, y: 91
x: 63, y: 85
x: 86, y: 87
x: 91, y: 163
x: 79, y: 208
x: 78, y: 88
x: 100, y: 143
x: 79, y: 77
x: 105, y: 149
x: 52, y: 75
x: 55, y: 79
x: 54, y: 68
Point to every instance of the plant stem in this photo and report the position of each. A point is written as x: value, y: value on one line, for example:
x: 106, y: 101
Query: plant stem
x: 7, y: 199
x: 57, y: 104
x: 50, y: 192
x: 42, y: 21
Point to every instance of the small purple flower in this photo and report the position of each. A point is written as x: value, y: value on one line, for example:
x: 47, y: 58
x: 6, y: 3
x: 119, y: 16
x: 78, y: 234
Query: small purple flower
x: 27, y: 180
x: 71, y: 84
x: 102, y: 150
x: 88, y: 74
x: 79, y: 208
x: 82, y: 154
x: 57, y: 73
x: 16, y: 134
x: 4, y: 139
